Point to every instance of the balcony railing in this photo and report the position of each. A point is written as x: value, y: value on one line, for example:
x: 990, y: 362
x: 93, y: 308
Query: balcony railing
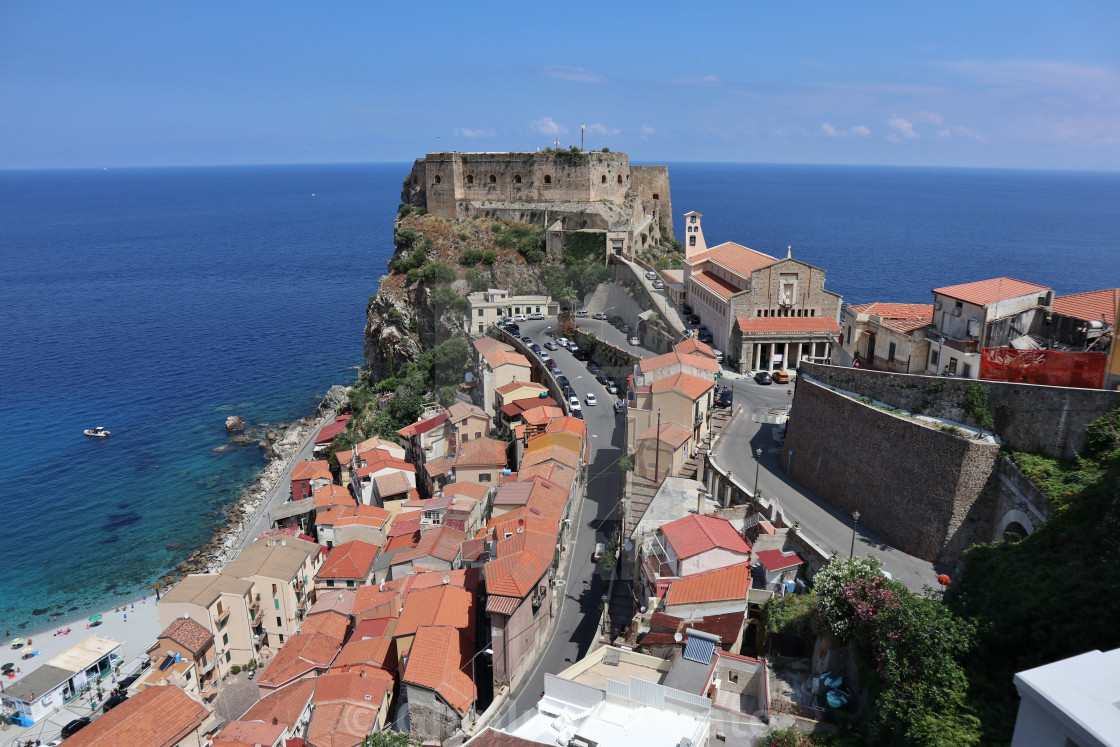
x: 960, y: 344
x: 204, y: 668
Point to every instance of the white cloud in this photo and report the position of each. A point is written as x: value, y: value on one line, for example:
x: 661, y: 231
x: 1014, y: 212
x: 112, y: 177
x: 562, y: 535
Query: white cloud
x: 859, y: 130
x: 467, y: 132
x: 1052, y: 74
x: 903, y: 127
x: 548, y: 126
x: 929, y: 118
x: 702, y: 80
x: 574, y: 74
x: 945, y: 133
x: 600, y: 129
x: 967, y: 133
x: 647, y: 130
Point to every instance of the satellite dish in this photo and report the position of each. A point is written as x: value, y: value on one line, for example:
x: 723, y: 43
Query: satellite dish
x: 283, y: 543
x: 446, y: 579
x: 186, y: 616
x: 678, y: 637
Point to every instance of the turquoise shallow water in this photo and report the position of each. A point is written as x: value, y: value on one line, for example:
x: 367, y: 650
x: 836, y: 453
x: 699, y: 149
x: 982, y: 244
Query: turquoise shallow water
x: 156, y: 302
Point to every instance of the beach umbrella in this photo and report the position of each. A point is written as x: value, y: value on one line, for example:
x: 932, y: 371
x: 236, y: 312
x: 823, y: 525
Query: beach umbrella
x: 94, y: 618
x: 9, y: 665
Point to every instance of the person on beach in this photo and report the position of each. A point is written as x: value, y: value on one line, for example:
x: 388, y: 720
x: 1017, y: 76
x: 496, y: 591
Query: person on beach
x: 126, y: 617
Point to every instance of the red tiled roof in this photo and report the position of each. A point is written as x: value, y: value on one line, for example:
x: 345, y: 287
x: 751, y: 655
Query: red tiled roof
x: 486, y: 344
x: 690, y: 386
x: 337, y: 685
x: 423, y: 426
x: 501, y: 357
x: 1090, y: 307
x: 285, y: 705
x: 439, y: 467
x: 567, y: 424
x: 716, y: 284
x: 694, y: 534
x: 541, y: 415
x: 333, y: 603
x: 671, y: 433
x: 515, y: 385
x: 333, y: 495
x: 901, y: 317
x: 435, y: 662
x: 469, y: 489
x: 312, y: 470
x: 328, y: 432
x: 438, y: 605
x: 735, y: 257
x: 549, y: 498
x: 333, y: 624
x: 703, y: 362
x: 384, y: 463
x: 373, y: 602
x: 442, y: 543
x: 522, y: 560
x: 156, y: 717
x: 462, y: 410
x: 373, y: 516
x: 554, y: 453
x: 719, y: 585
x: 249, y: 732
x: 300, y: 655
x: 341, y: 724
x: 693, y: 345
x: 552, y: 472
x: 371, y: 629
x: 403, y: 526
x: 188, y: 634
x: 984, y: 292
x: 349, y: 560
x: 391, y: 483
x: 520, y: 406
x: 482, y: 452
x: 497, y: 605
x: 788, y: 324
x: 514, y: 493
x: 426, y: 578
x: 776, y: 560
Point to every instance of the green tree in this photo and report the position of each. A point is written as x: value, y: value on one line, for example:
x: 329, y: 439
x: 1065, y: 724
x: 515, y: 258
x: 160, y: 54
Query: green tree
x: 438, y: 273
x: 388, y: 739
x: 976, y: 405
x: 588, y: 342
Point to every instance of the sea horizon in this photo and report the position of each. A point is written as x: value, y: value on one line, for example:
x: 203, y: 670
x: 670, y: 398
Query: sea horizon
x: 157, y: 300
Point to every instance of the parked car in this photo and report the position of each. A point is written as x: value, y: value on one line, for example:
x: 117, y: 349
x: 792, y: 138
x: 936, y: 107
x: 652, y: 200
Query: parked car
x: 634, y: 340
x: 693, y: 319
x: 577, y: 414
x: 538, y: 316
x: 562, y: 380
x: 612, y: 387
x: 762, y: 377
x: 579, y: 354
x: 127, y: 682
x: 74, y: 727
x: 718, y: 353
x: 562, y: 341
x: 573, y: 404
x: 724, y: 398
x: 686, y: 308
x: 545, y: 357
x: 601, y: 377
x: 582, y: 313
x: 572, y: 346
x: 658, y: 284
x: 512, y: 325
x: 513, y: 332
x: 520, y: 318
x: 590, y: 400
x: 620, y: 406
x: 598, y: 553
x: 528, y: 340
x: 550, y: 345
x: 651, y: 275
x: 780, y: 377
x: 600, y: 316
x: 113, y: 701
x: 551, y: 364
x: 536, y: 348
x: 593, y: 367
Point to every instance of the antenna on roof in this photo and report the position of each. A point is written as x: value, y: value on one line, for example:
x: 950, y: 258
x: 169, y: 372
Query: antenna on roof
x: 446, y: 579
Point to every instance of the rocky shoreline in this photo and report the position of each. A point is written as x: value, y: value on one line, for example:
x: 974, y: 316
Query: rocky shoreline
x: 281, y: 443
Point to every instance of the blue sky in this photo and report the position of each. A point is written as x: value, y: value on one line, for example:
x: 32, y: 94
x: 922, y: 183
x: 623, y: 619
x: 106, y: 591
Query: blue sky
x: 1003, y: 84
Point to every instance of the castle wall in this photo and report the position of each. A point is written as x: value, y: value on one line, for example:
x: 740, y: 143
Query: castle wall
x: 1028, y: 417
x: 652, y: 185
x: 920, y: 488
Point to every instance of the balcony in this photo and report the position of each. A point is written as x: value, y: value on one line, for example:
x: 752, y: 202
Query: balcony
x: 223, y: 615
x: 204, y: 668
x: 965, y: 345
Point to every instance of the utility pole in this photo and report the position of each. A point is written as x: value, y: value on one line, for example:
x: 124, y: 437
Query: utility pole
x: 855, y: 523
x: 581, y: 128
x: 657, y: 447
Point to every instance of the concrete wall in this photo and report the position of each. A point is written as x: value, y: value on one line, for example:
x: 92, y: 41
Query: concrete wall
x: 1028, y: 417
x: 429, y: 718
x: 918, y: 487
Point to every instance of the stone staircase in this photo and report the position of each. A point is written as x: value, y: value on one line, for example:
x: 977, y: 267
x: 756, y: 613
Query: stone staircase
x: 720, y: 419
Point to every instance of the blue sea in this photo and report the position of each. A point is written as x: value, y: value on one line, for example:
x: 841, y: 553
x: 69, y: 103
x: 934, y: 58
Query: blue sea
x: 157, y: 302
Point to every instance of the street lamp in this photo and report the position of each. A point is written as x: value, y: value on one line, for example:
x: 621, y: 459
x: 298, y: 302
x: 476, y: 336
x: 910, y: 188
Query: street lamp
x: 855, y: 523
x: 757, y: 460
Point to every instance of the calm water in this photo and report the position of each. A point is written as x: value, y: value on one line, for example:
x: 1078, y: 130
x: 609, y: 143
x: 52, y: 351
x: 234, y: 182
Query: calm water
x: 158, y: 302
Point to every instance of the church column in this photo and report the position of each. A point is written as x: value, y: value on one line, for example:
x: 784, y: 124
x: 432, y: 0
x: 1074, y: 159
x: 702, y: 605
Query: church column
x: 785, y: 354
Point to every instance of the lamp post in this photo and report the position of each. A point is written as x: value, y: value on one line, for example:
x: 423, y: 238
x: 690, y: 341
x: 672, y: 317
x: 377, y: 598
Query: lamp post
x: 855, y: 523
x: 757, y: 460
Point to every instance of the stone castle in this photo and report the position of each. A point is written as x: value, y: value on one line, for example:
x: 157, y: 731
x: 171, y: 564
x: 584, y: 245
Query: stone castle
x: 563, y: 191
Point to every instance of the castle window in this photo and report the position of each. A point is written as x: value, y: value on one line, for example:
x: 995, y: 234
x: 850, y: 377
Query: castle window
x: 692, y: 241
x: 548, y: 179
x: 493, y: 179
x: 437, y: 179
x: 656, y: 196
x: 470, y: 178
x: 620, y: 178
x: 604, y: 177
x: 517, y: 178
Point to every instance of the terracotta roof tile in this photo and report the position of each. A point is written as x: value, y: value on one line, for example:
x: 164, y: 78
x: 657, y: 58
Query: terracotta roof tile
x: 333, y: 495
x: 374, y: 602
x: 693, y: 345
x: 657, y: 362
x: 776, y: 560
x: 514, y: 493
x: 548, y: 499
x: 541, y: 415
x: 285, y: 704
x: 373, y: 628
x: 790, y: 324
x: 716, y: 284
x: 723, y: 584
x: 156, y: 717
x: 1090, y: 307
x: 392, y: 483
x: 439, y: 605
x: 349, y: 560
x: 342, y: 724
x: 984, y: 292
x: 690, y: 386
x: 421, y: 427
x: 567, y: 424
x: 513, y: 386
x: 735, y: 257
x: 332, y: 603
x: 333, y: 624
x: 694, y: 534
x: 491, y: 738
x: 373, y: 516
x: 501, y: 357
x: 469, y: 489
x: 372, y: 652
x: 355, y: 684
x: 439, y: 467
x: 553, y: 453
x: 312, y: 470
x: 486, y: 344
x: 249, y: 732
x: 188, y: 634
x: 671, y: 433
x: 482, y: 452
x: 553, y: 472
x: 462, y: 410
x: 522, y: 560
x: 441, y: 543
x: 435, y: 662
x: 379, y: 464
x: 300, y: 655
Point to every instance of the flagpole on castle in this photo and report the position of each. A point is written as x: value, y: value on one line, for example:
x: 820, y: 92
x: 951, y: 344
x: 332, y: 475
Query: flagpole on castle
x: 581, y: 137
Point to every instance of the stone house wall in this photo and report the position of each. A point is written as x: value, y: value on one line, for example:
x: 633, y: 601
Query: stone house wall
x: 920, y: 488
x: 1044, y: 419
x: 429, y: 718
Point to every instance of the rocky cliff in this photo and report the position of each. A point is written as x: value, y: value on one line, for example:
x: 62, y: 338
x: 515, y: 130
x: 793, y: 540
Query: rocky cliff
x: 411, y: 312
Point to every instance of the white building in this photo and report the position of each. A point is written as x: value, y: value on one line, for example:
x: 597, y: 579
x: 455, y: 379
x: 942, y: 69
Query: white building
x: 1070, y: 702
x: 487, y: 307
x: 43, y: 691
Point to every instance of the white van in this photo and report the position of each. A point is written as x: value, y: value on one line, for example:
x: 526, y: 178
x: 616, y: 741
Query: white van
x: 719, y: 354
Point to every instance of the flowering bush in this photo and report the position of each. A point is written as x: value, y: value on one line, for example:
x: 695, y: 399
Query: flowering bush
x: 832, y: 604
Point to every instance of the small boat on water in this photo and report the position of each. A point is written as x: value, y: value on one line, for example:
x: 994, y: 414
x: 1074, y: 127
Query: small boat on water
x: 98, y: 432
